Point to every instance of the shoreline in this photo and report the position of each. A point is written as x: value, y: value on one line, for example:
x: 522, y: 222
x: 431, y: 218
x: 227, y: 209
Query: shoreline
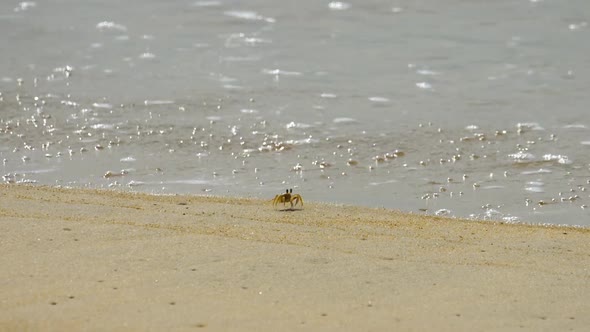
x: 99, y: 259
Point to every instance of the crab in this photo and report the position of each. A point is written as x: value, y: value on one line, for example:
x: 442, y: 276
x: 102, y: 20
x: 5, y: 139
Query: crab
x: 288, y: 196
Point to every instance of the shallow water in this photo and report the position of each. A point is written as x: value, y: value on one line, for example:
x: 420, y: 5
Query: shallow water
x: 470, y: 109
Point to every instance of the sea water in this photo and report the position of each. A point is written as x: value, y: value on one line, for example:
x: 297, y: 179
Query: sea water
x: 474, y: 109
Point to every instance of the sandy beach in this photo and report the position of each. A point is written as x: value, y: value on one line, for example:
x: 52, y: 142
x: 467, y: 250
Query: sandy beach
x: 80, y: 259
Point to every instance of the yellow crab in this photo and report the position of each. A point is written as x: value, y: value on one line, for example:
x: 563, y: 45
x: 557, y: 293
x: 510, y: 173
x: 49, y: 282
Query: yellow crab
x: 288, y: 196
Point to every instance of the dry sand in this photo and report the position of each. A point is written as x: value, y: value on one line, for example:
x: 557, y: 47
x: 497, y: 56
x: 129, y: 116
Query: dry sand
x: 74, y: 259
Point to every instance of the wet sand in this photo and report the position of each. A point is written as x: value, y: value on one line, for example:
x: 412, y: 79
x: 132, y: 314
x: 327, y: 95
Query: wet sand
x: 75, y: 259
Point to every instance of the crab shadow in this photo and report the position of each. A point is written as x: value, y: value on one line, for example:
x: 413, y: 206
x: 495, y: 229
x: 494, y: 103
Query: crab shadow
x: 290, y: 210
